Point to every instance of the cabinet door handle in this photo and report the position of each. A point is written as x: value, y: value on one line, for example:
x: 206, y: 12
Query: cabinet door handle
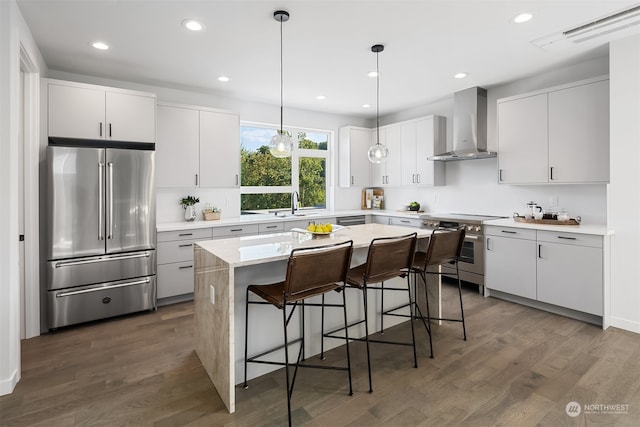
x: 500, y: 175
x: 109, y: 130
x: 508, y: 232
x: 567, y: 238
x: 352, y: 179
x: 182, y: 267
x: 413, y: 178
x: 539, y: 251
x: 196, y: 179
x: 418, y: 178
x: 488, y: 247
x: 237, y: 179
x: 185, y: 245
x: 551, y: 173
x: 100, y: 128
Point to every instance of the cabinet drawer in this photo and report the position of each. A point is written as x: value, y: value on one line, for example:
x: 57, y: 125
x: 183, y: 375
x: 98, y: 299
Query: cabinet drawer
x: 177, y: 251
x: 271, y: 227
x: 591, y: 240
x: 175, y: 279
x: 407, y: 222
x: 235, y: 230
x: 518, y: 233
x: 196, y: 233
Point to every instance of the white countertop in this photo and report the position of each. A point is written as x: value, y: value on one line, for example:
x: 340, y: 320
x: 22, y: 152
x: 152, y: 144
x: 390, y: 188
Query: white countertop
x: 250, y: 250
x: 266, y: 218
x: 601, y: 230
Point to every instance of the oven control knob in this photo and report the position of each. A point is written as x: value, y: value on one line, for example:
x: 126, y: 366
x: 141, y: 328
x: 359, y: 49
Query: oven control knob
x: 469, y: 227
x: 478, y: 228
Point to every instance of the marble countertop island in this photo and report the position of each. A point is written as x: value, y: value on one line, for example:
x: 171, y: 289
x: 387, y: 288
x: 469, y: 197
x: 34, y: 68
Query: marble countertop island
x: 223, y: 270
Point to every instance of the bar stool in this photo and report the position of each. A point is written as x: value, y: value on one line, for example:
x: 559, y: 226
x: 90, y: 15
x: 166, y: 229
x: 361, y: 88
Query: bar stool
x: 445, y: 246
x: 387, y: 258
x: 310, y: 272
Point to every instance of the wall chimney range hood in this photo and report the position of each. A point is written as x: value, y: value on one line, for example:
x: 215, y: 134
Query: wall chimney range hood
x: 469, y: 127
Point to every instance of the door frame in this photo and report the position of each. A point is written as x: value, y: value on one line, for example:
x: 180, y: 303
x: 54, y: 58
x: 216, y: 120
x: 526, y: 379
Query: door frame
x: 31, y: 145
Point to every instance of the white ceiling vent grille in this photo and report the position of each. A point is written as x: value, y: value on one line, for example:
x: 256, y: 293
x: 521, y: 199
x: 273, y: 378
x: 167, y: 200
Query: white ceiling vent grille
x: 602, y: 30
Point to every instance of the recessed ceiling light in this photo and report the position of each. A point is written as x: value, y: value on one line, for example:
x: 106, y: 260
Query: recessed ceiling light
x: 100, y: 45
x: 192, y: 25
x: 223, y: 79
x: 321, y: 97
x: 523, y: 17
x: 460, y: 75
x: 366, y: 105
x: 372, y: 74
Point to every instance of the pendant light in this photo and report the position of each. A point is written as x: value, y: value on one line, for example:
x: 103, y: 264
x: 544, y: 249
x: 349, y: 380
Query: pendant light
x: 281, y: 143
x: 378, y: 152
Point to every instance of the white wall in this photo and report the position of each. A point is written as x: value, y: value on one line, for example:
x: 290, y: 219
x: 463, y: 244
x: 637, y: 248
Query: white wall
x: 14, y: 33
x: 624, y: 189
x: 472, y: 186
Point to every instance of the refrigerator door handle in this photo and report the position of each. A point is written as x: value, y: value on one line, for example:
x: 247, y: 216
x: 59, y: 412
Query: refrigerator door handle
x: 102, y: 288
x: 101, y: 259
x: 110, y: 202
x: 100, y: 201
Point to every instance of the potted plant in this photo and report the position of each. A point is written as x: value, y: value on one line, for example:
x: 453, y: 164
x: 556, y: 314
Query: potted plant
x: 187, y: 204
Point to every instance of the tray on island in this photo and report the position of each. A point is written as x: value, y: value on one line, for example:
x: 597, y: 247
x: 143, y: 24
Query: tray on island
x: 570, y: 221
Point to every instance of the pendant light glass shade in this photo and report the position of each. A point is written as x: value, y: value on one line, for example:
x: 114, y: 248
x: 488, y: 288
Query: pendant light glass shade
x: 281, y: 144
x: 378, y: 153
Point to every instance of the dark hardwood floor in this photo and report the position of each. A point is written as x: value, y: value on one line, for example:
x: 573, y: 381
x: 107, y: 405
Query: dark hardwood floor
x: 519, y: 367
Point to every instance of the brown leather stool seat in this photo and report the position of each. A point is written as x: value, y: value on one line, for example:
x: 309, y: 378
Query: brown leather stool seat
x: 311, y: 272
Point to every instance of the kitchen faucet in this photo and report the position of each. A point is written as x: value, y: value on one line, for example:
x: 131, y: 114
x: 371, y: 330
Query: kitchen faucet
x: 295, y: 199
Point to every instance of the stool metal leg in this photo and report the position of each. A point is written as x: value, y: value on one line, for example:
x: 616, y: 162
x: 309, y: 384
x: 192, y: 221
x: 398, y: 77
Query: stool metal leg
x: 286, y: 361
x: 464, y: 328
x: 346, y: 337
x: 411, y: 314
x: 382, y: 307
x: 246, y: 332
x: 366, y: 332
x: 427, y: 324
x: 322, y: 329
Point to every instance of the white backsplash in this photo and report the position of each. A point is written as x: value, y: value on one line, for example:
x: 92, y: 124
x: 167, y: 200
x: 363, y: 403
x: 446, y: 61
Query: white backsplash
x: 168, y: 207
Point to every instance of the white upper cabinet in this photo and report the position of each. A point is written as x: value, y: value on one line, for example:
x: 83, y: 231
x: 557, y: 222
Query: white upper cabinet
x: 390, y: 172
x: 560, y: 135
x: 177, y: 147
x: 428, y: 139
x: 579, y: 133
x: 95, y: 112
x: 197, y: 148
x: 219, y: 149
x: 353, y: 163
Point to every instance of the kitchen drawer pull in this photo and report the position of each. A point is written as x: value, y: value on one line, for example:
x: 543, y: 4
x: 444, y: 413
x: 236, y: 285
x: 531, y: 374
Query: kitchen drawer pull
x: 567, y: 238
x: 185, y: 234
x: 509, y: 232
x: 272, y: 226
x: 236, y: 229
x: 101, y: 288
x: 186, y: 245
x: 405, y: 221
x: 183, y: 267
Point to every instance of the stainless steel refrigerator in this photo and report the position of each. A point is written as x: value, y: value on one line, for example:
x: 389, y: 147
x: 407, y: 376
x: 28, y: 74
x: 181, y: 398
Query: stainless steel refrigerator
x: 101, y: 258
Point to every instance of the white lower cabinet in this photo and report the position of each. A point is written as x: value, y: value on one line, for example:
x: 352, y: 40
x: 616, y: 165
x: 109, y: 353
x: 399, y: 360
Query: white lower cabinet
x: 570, y: 271
x: 563, y: 269
x: 510, y: 261
x: 175, y: 261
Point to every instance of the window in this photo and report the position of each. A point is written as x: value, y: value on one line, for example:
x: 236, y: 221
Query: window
x: 267, y: 182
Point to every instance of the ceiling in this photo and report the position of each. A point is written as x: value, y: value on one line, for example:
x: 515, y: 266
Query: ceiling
x: 327, y: 46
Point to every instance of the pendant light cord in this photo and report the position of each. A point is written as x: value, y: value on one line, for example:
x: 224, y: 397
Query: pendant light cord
x: 378, y: 96
x: 281, y: 83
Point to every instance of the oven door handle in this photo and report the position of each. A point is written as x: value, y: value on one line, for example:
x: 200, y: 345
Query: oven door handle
x: 470, y: 237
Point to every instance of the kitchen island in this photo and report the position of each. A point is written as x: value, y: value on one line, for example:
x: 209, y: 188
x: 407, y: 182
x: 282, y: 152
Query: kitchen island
x: 223, y: 270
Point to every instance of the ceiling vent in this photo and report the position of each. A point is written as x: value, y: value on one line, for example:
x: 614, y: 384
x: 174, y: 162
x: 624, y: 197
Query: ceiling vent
x: 599, y: 31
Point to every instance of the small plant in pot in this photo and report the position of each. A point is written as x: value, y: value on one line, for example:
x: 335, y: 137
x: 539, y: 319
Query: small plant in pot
x: 414, y: 206
x: 187, y: 204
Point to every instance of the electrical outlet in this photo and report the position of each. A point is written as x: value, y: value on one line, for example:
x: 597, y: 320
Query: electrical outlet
x: 554, y: 201
x: 212, y: 294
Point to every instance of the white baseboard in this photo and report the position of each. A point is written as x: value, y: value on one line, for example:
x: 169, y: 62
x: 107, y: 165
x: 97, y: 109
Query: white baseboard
x: 7, y: 385
x: 627, y: 325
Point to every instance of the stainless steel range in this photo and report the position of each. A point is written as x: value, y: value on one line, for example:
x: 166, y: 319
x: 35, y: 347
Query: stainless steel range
x: 471, y: 263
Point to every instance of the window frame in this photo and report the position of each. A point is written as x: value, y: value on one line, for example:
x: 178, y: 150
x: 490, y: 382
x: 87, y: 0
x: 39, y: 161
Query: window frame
x: 296, y: 154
